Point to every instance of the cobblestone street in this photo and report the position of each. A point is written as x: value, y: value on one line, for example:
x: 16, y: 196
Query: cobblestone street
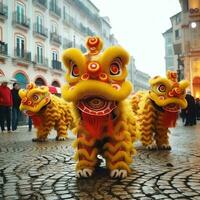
x: 46, y: 170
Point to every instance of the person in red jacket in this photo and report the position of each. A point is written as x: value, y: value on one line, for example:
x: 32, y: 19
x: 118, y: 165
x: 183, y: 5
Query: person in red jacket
x: 5, y: 105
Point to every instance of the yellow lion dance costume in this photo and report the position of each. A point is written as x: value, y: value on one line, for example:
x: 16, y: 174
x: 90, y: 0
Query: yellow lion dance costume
x: 157, y: 109
x: 47, y: 111
x: 98, y: 89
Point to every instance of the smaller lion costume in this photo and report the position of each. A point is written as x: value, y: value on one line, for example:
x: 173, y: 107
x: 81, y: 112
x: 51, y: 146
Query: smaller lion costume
x: 47, y: 111
x: 157, y: 109
x: 98, y: 89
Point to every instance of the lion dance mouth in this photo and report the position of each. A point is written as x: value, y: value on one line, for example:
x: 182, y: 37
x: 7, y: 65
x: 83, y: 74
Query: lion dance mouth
x: 172, y: 107
x: 96, y: 106
x: 96, y: 111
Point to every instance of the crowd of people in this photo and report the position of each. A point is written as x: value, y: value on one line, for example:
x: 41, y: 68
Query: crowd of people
x: 191, y: 114
x: 9, y: 106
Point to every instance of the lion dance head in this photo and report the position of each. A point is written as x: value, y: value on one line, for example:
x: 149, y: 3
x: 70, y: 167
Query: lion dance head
x: 34, y: 98
x: 96, y: 80
x: 168, y: 94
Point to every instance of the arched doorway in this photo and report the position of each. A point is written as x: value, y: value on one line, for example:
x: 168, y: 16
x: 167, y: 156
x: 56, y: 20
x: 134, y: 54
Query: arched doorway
x: 39, y: 81
x: 196, y: 86
x: 21, y: 79
x: 56, y: 84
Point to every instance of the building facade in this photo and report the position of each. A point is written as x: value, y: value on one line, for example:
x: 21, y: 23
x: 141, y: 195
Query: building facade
x: 34, y: 33
x: 139, y: 79
x: 186, y: 43
x: 169, y: 50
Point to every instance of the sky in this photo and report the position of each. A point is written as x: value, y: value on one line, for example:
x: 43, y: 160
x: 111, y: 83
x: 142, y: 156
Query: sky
x: 138, y: 26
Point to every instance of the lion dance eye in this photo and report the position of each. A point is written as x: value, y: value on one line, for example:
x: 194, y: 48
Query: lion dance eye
x: 115, y: 67
x: 35, y: 97
x: 161, y: 88
x: 75, y: 70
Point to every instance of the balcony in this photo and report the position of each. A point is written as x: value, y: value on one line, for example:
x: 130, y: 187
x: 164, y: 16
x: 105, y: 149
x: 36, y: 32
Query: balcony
x: 21, y: 21
x: 87, y: 11
x: 41, y: 62
x: 3, y: 11
x: 70, y: 21
x: 56, y: 65
x: 40, y: 31
x: 55, y: 39
x: 3, y: 50
x: 67, y: 43
x: 54, y: 9
x: 41, y: 4
x: 21, y: 54
x: 67, y: 19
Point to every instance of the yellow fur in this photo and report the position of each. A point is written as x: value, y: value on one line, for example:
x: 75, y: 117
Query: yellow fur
x: 149, y: 106
x: 53, y: 111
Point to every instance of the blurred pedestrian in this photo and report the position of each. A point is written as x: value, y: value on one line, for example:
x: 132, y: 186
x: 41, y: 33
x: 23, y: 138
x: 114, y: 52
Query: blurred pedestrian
x: 190, y: 110
x: 15, y: 108
x: 29, y: 124
x: 198, y: 108
x: 5, y: 105
x: 183, y: 115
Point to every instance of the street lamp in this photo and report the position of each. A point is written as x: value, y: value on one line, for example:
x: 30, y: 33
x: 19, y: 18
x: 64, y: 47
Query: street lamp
x: 193, y: 25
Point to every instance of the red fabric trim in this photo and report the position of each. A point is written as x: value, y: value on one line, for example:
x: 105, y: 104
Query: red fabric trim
x: 37, y: 120
x: 95, y: 124
x: 169, y: 119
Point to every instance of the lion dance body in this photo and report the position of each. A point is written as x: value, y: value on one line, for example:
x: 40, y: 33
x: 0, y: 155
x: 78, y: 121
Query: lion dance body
x: 47, y: 111
x: 98, y: 90
x: 157, y: 109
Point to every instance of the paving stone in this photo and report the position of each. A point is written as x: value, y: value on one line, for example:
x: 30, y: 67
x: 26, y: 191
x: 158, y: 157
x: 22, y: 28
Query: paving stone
x: 46, y: 191
x: 47, y: 171
x: 11, y: 198
x: 51, y: 197
x: 148, y: 190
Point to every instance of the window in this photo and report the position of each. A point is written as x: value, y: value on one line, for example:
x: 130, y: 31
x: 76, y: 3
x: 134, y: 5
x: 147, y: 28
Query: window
x: 54, y: 4
x: 177, y: 34
x: 66, y: 11
x: 39, y: 54
x: 54, y: 55
x: 20, y: 13
x: 20, y: 46
x: 178, y: 19
x: 53, y: 28
x: 39, y: 22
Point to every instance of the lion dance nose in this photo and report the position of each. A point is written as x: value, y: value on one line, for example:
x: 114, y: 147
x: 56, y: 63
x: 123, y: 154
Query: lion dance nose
x: 93, y: 69
x: 175, y: 92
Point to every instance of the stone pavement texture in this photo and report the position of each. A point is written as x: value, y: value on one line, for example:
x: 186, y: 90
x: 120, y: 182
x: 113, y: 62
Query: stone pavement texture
x: 46, y: 170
